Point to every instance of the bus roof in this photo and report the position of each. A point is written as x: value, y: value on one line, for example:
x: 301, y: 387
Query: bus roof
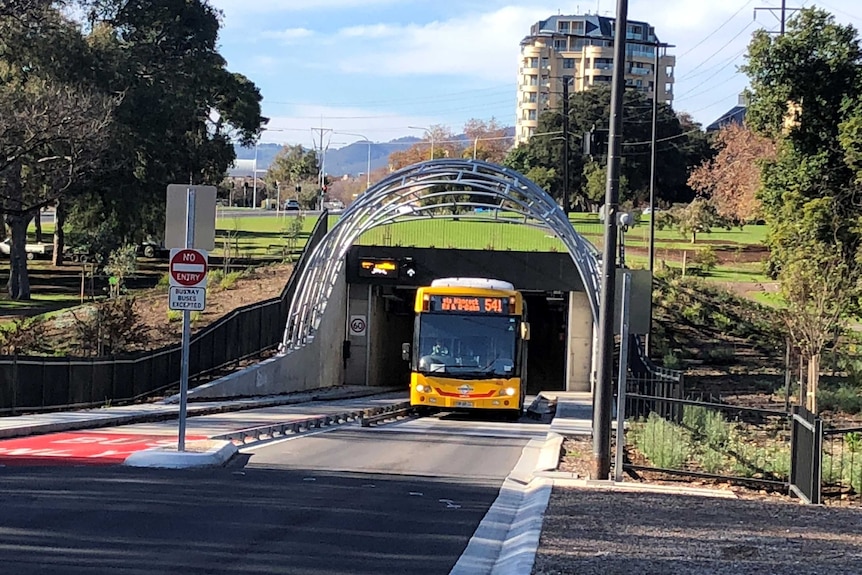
x: 473, y: 283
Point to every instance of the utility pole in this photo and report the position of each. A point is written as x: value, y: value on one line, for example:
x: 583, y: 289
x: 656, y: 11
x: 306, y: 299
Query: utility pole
x: 603, y: 397
x: 655, y: 85
x: 321, y: 180
x: 566, y: 145
x: 782, y: 15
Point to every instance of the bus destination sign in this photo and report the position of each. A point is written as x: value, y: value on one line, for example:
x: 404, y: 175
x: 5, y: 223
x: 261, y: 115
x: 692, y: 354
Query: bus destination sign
x: 468, y: 304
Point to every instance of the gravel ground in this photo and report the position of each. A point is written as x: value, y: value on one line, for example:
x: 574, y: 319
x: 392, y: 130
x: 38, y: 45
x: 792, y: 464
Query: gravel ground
x: 590, y: 531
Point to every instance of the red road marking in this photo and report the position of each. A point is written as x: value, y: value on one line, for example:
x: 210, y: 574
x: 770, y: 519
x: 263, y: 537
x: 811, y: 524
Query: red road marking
x: 80, y: 448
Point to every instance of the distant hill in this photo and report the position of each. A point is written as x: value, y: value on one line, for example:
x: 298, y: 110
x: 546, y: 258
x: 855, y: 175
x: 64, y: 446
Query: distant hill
x: 351, y: 159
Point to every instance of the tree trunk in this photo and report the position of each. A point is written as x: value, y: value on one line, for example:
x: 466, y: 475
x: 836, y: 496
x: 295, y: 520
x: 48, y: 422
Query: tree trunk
x: 38, y: 222
x: 813, y: 381
x: 803, y: 384
x: 59, y: 235
x: 18, y: 286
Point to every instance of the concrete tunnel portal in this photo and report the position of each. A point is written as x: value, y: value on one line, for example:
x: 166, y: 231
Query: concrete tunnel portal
x: 337, y: 312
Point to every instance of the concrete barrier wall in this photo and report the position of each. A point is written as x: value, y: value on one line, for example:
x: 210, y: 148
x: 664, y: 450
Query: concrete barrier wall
x: 317, y: 365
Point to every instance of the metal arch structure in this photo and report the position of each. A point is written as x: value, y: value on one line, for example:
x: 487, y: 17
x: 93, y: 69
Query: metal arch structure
x: 440, y: 189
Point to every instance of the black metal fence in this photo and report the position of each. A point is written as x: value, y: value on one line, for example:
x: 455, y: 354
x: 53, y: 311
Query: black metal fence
x: 705, y: 439
x: 36, y: 383
x: 841, y: 466
x: 806, y: 437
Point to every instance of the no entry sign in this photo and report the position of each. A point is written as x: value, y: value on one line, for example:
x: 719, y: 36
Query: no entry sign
x: 188, y: 268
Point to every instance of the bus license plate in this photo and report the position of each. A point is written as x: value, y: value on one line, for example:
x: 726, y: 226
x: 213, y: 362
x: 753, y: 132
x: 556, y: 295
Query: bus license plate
x: 463, y: 404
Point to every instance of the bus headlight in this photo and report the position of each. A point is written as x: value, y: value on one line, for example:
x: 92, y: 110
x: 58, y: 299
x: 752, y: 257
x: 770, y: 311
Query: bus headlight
x: 510, y: 391
x: 421, y: 388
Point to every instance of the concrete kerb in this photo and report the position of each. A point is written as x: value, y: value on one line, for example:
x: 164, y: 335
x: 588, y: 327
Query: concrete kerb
x: 99, y: 419
x: 198, y: 454
x: 506, y: 540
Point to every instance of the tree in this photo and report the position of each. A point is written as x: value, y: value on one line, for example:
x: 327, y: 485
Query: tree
x: 698, y: 217
x: 294, y: 166
x: 678, y: 147
x: 181, y: 113
x: 596, y: 175
x: 732, y: 178
x: 438, y: 139
x: 55, y: 126
x: 487, y: 140
x: 820, y: 290
x: 803, y: 88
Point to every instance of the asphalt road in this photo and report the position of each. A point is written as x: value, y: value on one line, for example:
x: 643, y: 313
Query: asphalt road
x: 401, y: 498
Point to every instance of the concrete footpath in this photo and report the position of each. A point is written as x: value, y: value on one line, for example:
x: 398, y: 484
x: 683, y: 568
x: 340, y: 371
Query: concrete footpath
x: 55, y: 422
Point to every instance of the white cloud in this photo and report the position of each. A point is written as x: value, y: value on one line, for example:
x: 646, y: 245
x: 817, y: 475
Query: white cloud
x: 247, y: 7
x: 288, y: 35
x: 347, y: 124
x: 482, y: 45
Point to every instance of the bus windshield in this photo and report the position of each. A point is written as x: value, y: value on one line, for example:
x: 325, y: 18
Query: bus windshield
x: 467, y: 346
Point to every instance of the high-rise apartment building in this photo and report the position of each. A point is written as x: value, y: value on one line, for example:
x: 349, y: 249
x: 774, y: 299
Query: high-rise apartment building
x: 580, y: 50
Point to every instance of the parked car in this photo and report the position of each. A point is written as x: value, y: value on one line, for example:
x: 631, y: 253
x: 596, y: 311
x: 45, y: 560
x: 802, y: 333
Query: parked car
x: 33, y: 250
x: 150, y: 248
x: 292, y: 205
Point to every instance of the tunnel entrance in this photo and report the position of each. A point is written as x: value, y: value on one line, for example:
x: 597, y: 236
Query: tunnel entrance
x: 546, y: 365
x: 392, y: 324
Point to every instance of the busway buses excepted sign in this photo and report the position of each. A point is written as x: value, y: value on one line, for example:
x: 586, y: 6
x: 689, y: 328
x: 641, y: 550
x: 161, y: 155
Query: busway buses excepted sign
x: 184, y: 298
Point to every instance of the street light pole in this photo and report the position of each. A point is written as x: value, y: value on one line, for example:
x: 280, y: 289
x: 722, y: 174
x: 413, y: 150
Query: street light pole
x: 430, y: 136
x: 602, y: 403
x: 254, y: 179
x: 368, y: 160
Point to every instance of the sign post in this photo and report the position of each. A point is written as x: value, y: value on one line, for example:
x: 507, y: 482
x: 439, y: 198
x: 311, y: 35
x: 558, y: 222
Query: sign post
x: 188, y: 269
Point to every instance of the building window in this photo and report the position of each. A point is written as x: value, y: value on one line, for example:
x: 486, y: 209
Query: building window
x: 532, y: 80
x: 668, y: 88
x: 579, y: 44
x: 563, y: 27
x: 529, y: 115
x: 578, y: 27
x: 668, y: 71
x: 530, y: 97
x: 532, y: 62
x: 603, y: 63
x: 568, y: 63
x: 545, y: 62
x: 560, y: 45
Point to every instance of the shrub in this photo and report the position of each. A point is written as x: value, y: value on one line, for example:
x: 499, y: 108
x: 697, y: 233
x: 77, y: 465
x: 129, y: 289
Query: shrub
x: 174, y: 315
x: 214, y: 277
x: 110, y: 327
x: 706, y: 259
x: 195, y: 316
x: 164, y: 281
x: 671, y: 361
x: 847, y: 399
x: 229, y: 281
x: 663, y: 443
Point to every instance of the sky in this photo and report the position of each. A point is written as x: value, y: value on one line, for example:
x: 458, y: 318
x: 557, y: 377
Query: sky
x: 384, y: 69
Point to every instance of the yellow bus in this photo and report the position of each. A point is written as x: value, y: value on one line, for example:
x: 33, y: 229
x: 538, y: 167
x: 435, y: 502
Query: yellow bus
x: 469, y: 347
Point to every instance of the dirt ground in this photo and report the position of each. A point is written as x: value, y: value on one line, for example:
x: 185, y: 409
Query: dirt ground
x: 259, y: 284
x: 162, y: 328
x: 604, y: 532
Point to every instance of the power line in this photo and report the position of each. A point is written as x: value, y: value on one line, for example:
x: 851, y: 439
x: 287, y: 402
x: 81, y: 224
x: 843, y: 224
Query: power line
x: 714, y: 54
x: 711, y: 34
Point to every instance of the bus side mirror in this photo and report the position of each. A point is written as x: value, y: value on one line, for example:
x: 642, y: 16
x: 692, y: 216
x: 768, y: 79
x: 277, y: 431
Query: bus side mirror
x: 405, y: 351
x: 525, y: 331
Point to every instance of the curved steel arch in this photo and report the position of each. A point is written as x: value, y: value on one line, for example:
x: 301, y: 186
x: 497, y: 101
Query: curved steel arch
x: 404, y: 194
